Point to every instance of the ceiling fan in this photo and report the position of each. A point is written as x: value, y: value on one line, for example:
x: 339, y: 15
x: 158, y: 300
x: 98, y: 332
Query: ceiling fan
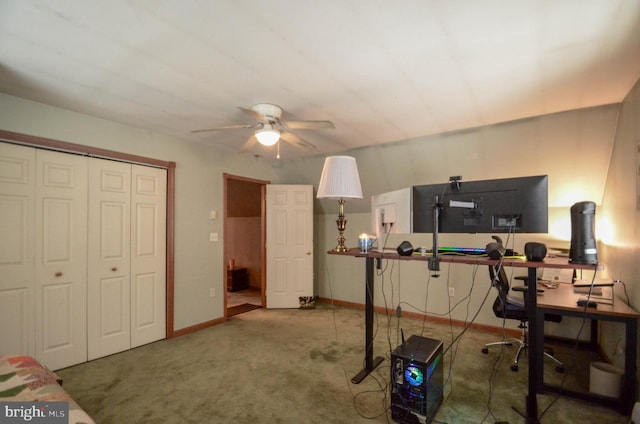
x: 270, y: 128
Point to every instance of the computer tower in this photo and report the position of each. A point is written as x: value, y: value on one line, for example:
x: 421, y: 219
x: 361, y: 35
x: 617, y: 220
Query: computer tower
x: 416, y: 380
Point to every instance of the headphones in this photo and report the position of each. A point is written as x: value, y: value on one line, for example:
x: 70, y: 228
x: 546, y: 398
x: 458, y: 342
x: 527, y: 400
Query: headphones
x: 495, y: 250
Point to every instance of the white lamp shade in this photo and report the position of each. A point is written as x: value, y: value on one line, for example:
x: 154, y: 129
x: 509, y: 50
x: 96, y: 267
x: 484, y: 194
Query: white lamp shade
x: 340, y: 179
x: 267, y: 136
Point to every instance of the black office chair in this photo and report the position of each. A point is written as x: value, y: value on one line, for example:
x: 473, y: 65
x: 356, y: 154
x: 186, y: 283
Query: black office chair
x: 514, y: 307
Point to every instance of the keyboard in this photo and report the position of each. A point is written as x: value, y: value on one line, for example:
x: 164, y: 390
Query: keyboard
x: 462, y: 250
x: 472, y: 251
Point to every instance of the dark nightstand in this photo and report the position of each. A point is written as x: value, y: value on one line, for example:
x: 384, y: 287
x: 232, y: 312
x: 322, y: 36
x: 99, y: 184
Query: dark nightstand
x: 237, y: 279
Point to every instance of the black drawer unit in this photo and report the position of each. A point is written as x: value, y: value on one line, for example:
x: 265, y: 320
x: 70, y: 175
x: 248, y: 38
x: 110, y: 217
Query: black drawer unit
x: 237, y: 279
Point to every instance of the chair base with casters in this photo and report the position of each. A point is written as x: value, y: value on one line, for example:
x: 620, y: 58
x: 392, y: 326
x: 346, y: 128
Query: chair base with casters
x: 514, y: 307
x: 522, y: 347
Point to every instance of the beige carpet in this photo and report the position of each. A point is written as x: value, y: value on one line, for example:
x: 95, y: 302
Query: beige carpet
x: 295, y: 365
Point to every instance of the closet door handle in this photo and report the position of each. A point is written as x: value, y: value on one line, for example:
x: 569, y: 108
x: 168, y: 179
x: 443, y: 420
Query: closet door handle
x: 308, y: 252
x: 114, y: 269
x: 58, y: 274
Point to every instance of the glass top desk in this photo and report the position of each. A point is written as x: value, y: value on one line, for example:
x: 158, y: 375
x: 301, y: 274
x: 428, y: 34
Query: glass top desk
x: 560, y: 305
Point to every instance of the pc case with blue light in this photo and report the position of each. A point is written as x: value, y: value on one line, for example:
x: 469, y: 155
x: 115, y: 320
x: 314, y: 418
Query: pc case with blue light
x: 416, y: 380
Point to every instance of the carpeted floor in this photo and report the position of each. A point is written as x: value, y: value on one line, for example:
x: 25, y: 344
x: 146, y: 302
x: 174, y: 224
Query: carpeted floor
x: 295, y: 366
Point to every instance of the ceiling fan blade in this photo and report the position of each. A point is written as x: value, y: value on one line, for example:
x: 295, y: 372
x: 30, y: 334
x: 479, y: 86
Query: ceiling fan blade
x: 226, y: 127
x: 308, y: 125
x: 291, y: 138
x: 249, y: 144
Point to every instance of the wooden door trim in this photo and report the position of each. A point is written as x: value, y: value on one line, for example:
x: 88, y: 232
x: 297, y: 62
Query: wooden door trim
x: 73, y: 148
x: 263, y: 231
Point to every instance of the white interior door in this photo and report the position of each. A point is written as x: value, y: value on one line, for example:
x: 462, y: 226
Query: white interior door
x: 148, y: 254
x: 108, y: 282
x: 17, y: 251
x: 61, y: 259
x: 289, y: 244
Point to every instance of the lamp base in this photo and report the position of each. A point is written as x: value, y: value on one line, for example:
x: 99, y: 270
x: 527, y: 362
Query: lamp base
x: 340, y: 249
x: 341, y: 222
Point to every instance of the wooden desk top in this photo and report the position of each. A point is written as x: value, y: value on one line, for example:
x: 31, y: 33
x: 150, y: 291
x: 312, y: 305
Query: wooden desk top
x: 518, y: 262
x: 564, y: 299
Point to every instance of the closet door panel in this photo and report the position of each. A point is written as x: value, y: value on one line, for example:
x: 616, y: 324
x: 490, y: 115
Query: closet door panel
x: 148, y: 254
x: 61, y: 259
x: 108, y: 299
x: 17, y: 250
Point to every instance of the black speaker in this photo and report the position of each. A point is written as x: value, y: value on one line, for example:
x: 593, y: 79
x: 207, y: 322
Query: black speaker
x: 583, y: 242
x: 405, y: 249
x: 535, y: 251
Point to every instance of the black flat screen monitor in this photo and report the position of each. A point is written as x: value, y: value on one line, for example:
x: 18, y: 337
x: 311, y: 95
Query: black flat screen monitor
x: 488, y: 206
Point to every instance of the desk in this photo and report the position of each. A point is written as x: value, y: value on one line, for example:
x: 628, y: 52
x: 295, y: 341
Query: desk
x: 536, y: 316
x: 562, y: 301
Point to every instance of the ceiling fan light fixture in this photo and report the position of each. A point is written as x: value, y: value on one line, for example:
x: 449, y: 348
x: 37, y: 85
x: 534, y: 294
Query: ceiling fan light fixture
x: 267, y: 136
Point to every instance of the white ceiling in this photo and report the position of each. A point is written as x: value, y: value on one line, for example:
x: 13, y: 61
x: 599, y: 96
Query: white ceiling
x: 382, y: 71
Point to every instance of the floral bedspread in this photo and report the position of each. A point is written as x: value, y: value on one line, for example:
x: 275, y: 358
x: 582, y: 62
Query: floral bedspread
x: 24, y: 379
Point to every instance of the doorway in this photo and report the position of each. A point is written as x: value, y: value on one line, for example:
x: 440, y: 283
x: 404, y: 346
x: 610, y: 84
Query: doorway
x: 244, y: 230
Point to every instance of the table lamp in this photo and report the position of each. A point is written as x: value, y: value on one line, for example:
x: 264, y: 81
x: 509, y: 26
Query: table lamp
x: 340, y: 180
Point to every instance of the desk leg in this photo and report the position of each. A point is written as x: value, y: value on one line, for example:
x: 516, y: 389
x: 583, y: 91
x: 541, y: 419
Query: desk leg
x: 369, y: 363
x: 630, y: 384
x: 536, y: 341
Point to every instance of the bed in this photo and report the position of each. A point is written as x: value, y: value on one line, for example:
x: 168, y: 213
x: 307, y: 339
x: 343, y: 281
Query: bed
x: 24, y: 379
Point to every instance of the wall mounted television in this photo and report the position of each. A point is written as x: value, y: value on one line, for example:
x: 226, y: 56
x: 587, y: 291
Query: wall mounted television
x: 488, y: 206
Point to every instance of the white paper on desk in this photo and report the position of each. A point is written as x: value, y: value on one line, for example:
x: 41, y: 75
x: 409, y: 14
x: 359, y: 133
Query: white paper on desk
x: 596, y: 291
x: 557, y: 275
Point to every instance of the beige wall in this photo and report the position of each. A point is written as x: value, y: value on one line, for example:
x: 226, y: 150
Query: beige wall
x: 199, y: 264
x: 573, y: 148
x: 620, y: 249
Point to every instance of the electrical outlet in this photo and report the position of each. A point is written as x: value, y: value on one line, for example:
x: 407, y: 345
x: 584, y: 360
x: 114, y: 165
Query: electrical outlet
x: 212, y: 292
x: 452, y: 291
x: 213, y: 236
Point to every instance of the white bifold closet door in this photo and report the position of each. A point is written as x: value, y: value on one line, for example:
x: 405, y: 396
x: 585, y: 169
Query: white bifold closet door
x: 83, y: 255
x: 61, y: 258
x: 126, y: 284
x: 17, y: 249
x: 108, y: 282
x: 148, y: 254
